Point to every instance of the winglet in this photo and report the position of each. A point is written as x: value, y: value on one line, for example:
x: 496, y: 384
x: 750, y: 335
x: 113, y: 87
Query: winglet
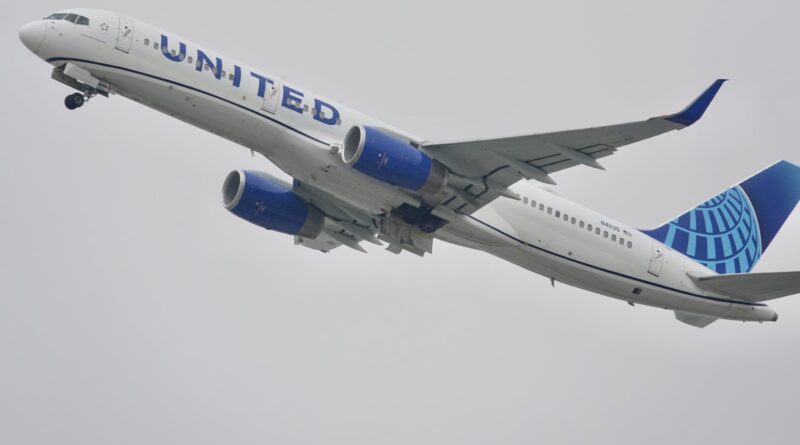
x: 695, y: 110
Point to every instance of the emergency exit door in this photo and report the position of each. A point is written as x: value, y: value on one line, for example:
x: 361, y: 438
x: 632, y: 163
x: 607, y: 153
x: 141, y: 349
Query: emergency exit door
x: 656, y: 259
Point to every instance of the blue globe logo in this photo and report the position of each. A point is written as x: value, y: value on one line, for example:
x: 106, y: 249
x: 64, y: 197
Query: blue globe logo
x: 722, y: 233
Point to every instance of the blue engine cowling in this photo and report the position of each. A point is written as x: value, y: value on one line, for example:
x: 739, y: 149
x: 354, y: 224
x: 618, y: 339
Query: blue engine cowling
x: 255, y: 197
x: 389, y: 158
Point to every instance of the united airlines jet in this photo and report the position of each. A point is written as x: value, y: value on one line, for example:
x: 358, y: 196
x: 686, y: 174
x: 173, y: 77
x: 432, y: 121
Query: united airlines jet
x: 358, y: 179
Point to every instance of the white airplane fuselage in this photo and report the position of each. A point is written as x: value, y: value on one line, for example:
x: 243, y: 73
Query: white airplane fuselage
x: 300, y: 132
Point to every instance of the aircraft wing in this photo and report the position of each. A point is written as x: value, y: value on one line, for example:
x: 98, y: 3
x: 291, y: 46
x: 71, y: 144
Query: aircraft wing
x: 494, y: 164
x: 344, y: 224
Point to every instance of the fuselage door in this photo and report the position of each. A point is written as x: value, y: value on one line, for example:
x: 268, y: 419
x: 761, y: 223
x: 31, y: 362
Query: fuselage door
x: 272, y: 96
x: 125, y: 36
x: 657, y: 259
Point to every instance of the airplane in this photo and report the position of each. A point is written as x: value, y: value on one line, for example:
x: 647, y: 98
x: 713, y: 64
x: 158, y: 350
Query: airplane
x: 356, y: 179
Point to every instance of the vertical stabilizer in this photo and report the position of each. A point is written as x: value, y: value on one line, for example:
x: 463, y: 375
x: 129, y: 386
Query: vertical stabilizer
x: 731, y: 231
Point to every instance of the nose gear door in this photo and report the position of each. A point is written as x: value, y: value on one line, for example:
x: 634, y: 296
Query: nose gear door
x: 125, y: 35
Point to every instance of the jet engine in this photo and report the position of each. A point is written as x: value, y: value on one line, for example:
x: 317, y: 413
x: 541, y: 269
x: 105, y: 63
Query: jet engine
x: 256, y: 198
x: 390, y: 158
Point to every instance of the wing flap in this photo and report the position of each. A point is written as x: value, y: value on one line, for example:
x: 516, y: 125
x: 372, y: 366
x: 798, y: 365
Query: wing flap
x: 345, y: 224
x: 333, y: 236
x: 323, y: 243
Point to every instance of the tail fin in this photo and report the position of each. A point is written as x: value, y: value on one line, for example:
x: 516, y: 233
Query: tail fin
x: 729, y: 232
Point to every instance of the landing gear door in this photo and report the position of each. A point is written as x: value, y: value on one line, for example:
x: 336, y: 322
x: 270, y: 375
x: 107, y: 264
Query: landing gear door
x: 272, y: 96
x: 125, y: 36
x: 657, y: 259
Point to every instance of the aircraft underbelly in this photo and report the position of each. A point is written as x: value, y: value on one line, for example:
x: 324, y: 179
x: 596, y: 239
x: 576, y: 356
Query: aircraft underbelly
x: 582, y: 266
x: 593, y: 280
x: 295, y: 154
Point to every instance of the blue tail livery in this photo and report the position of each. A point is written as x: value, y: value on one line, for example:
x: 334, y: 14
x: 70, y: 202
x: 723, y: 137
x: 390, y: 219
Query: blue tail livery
x: 731, y: 231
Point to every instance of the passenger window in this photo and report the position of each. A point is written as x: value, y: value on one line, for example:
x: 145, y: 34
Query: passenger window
x: 581, y: 225
x: 82, y: 21
x: 558, y: 214
x: 155, y: 45
x: 573, y: 220
x: 597, y: 230
x: 630, y: 244
x: 146, y: 42
x: 190, y: 60
x: 613, y: 237
x: 533, y: 204
x: 549, y: 210
x: 589, y: 227
x: 566, y: 217
x: 224, y: 74
x: 541, y: 207
x: 230, y: 77
x: 71, y: 17
x: 605, y: 233
x: 525, y: 200
x: 621, y: 241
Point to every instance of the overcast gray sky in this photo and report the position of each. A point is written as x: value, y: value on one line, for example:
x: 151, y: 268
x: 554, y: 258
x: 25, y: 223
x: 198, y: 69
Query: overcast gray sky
x: 135, y: 309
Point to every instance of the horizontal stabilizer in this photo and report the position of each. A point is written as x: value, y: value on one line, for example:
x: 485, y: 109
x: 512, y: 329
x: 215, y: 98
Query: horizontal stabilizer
x: 752, y: 286
x: 698, y: 321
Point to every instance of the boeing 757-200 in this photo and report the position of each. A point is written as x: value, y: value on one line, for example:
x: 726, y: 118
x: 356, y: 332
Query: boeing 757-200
x: 357, y: 179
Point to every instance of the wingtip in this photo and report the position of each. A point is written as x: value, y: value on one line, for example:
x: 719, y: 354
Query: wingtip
x: 696, y: 109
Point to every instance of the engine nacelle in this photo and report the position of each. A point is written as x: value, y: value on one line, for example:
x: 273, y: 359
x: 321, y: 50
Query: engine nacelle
x: 389, y: 158
x: 264, y: 202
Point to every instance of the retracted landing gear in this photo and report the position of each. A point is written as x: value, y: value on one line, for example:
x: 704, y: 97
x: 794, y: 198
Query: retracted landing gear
x: 75, y: 100
x: 420, y: 217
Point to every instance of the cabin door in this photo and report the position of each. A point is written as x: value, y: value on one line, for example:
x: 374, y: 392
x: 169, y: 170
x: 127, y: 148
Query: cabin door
x: 272, y: 96
x: 125, y: 35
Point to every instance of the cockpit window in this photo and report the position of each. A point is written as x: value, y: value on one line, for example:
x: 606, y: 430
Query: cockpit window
x: 74, y: 18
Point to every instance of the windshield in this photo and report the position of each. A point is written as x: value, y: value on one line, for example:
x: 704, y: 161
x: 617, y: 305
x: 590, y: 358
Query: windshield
x: 74, y: 18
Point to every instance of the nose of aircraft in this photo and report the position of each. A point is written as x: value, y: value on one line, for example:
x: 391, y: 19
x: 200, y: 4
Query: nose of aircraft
x: 32, y: 35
